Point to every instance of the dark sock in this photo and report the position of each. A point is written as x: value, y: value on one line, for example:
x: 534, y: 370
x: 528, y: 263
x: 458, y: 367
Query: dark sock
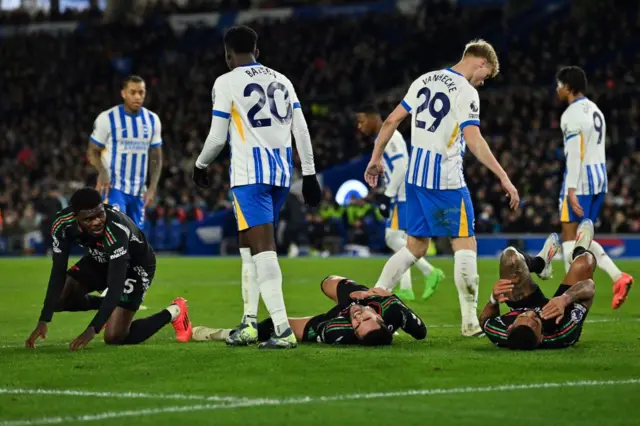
x: 578, y: 251
x: 87, y: 303
x: 144, y: 328
x: 265, y: 330
x: 535, y: 264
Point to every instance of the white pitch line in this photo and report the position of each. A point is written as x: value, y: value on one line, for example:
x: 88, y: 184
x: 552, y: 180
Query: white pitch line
x: 312, y: 399
x: 158, y: 343
x: 133, y: 395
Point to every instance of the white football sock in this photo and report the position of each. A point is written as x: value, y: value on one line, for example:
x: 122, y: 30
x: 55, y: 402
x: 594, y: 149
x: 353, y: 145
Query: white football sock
x: 425, y: 267
x: 605, y: 262
x: 174, y: 310
x: 250, y: 288
x: 395, y: 267
x: 567, y: 253
x: 405, y: 281
x: 465, y: 275
x: 269, y: 279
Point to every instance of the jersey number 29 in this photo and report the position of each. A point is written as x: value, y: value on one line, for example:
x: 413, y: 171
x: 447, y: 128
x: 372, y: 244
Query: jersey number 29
x: 444, y: 106
x: 597, y: 124
x: 273, y: 107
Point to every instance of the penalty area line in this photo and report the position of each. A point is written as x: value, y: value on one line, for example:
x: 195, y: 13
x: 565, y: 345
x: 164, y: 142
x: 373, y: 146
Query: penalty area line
x: 313, y: 399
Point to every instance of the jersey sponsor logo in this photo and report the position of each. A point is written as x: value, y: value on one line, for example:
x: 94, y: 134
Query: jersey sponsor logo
x: 474, y: 116
x: 97, y: 255
x: 119, y: 252
x: 473, y: 106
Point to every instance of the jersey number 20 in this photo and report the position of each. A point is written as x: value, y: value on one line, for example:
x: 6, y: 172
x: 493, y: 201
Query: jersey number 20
x: 273, y: 107
x: 444, y: 106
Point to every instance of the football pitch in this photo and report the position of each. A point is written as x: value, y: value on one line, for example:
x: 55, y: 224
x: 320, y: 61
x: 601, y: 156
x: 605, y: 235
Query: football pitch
x: 443, y: 380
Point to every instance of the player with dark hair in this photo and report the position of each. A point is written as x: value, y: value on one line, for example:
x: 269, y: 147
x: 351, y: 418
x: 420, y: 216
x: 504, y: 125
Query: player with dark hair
x: 535, y: 322
x: 256, y: 108
x: 118, y: 258
x: 393, y: 204
x: 585, y: 182
x: 125, y: 146
x: 361, y: 316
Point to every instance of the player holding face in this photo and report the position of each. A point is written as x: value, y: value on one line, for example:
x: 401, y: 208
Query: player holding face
x: 118, y: 258
x: 445, y: 119
x: 394, y: 206
x: 584, y: 186
x: 259, y: 109
x: 535, y: 321
x: 125, y: 146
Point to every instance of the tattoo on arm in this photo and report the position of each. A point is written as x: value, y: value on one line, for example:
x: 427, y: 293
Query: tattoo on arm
x: 155, y: 167
x: 581, y: 291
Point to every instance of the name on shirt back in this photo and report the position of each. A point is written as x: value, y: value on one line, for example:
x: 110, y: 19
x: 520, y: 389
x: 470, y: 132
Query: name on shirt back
x: 252, y: 72
x: 444, y: 78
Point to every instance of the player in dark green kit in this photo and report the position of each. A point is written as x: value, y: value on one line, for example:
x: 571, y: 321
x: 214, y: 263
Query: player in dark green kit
x: 361, y: 316
x: 535, y: 322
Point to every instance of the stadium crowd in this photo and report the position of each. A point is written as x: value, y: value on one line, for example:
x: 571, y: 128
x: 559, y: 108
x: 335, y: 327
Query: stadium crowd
x: 47, y: 111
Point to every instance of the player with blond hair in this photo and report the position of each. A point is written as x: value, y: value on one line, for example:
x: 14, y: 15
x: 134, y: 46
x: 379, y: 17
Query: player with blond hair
x: 445, y: 120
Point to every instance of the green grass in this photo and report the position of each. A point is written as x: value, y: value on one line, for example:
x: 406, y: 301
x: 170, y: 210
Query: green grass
x: 608, y: 350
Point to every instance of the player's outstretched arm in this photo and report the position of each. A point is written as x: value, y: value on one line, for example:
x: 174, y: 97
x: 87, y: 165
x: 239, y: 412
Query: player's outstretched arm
x: 311, y: 191
x: 390, y: 125
x: 480, y: 148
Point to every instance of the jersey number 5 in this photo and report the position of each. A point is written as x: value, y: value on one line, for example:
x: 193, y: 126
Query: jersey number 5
x: 444, y: 106
x: 273, y: 107
x: 597, y: 124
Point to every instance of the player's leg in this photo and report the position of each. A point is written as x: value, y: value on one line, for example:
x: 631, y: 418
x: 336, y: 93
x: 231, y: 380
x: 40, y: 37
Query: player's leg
x: 123, y: 330
x: 83, y: 278
x: 396, y: 240
x: 416, y: 245
x: 256, y: 208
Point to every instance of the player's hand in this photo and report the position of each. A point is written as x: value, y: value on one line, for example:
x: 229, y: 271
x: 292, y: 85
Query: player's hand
x: 575, y: 204
x: 374, y: 169
x: 512, y: 193
x: 83, y: 340
x: 555, y: 309
x: 311, y: 191
x: 40, y: 331
x: 149, y: 196
x: 103, y: 184
x: 384, y: 205
x: 200, y: 177
x: 502, y: 290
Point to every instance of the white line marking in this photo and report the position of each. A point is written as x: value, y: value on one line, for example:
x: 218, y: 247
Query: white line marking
x: 166, y: 341
x: 311, y: 399
x: 134, y: 395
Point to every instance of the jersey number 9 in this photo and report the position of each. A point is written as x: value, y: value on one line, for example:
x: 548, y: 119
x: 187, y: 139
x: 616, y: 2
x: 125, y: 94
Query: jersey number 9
x: 597, y: 124
x: 273, y: 107
x: 430, y: 103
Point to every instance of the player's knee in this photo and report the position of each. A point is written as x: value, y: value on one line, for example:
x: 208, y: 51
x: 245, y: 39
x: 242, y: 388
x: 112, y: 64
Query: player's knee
x: 113, y: 337
x: 584, y: 265
x: 330, y: 281
x: 394, y: 239
x: 417, y: 246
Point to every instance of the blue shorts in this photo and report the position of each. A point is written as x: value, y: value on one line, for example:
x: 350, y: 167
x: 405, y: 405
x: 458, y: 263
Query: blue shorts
x: 439, y: 213
x: 591, y: 204
x: 131, y: 205
x: 257, y: 204
x: 398, y: 218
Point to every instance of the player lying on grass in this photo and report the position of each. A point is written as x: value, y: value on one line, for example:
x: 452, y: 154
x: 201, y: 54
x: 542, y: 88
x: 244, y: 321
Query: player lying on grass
x: 118, y: 258
x: 361, y: 316
x: 534, y: 321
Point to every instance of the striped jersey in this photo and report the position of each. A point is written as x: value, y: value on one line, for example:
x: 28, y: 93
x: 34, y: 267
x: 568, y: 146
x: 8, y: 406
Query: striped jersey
x: 584, y: 130
x: 126, y: 140
x: 259, y: 102
x: 396, y: 158
x: 442, y: 103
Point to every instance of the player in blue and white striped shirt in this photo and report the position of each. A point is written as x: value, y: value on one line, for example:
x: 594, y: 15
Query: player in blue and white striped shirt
x: 125, y: 146
x: 259, y: 109
x: 445, y: 119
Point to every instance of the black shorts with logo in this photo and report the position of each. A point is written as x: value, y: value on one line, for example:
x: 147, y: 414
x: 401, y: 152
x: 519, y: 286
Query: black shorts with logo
x: 93, y: 276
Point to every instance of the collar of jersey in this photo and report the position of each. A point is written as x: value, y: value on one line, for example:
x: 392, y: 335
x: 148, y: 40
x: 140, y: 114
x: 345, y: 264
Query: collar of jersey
x: 455, y: 72
x: 578, y: 99
x: 121, y: 106
x: 252, y: 64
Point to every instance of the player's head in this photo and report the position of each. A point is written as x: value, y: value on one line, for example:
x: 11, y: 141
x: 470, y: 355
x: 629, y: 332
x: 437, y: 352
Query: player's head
x: 571, y: 81
x: 369, y: 327
x: 482, y: 59
x: 526, y: 332
x: 240, y: 42
x: 89, y: 211
x: 369, y: 119
x: 133, y: 92
x: 513, y: 266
